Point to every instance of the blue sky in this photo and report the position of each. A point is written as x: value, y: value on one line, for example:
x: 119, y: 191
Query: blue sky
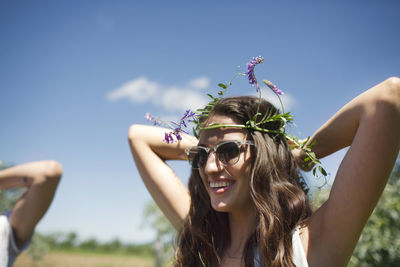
x: 74, y: 75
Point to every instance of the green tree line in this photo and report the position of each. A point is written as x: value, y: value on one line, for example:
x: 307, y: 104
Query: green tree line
x: 70, y: 242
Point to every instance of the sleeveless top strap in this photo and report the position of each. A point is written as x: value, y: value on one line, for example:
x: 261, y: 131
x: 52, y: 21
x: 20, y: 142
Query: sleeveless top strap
x: 299, y: 256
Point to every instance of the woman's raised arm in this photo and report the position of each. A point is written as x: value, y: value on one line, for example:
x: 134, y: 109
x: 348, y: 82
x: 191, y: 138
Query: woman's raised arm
x: 370, y: 125
x: 150, y: 153
x: 41, y: 179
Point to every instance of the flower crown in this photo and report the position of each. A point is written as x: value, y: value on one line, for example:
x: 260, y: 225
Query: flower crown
x: 255, y: 124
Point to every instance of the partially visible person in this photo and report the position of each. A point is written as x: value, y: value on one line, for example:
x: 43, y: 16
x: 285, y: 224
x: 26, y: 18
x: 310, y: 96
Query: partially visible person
x: 17, y: 225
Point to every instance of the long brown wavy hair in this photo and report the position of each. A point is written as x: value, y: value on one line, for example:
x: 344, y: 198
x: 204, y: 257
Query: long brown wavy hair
x: 275, y: 189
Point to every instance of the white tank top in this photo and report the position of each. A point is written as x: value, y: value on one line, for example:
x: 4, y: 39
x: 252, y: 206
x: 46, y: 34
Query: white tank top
x: 299, y: 256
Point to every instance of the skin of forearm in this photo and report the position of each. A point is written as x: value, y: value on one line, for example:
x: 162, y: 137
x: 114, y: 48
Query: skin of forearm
x: 25, y: 175
x: 150, y: 153
x: 380, y: 102
x: 10, y: 178
x: 337, y: 133
x: 153, y: 137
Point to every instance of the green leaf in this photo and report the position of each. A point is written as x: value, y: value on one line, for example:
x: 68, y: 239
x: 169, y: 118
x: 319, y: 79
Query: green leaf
x: 210, y: 96
x: 250, y: 124
x: 222, y: 85
x: 266, y: 82
x: 312, y: 144
x: 195, y: 133
x: 305, y: 142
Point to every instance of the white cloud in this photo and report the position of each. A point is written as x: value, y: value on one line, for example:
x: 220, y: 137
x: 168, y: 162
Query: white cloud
x: 142, y: 90
x: 178, y: 99
x: 138, y: 90
x: 200, y: 83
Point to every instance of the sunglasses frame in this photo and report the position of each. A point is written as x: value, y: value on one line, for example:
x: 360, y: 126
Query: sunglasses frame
x: 214, y: 149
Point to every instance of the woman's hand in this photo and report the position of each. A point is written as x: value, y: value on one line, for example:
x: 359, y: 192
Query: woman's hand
x: 300, y: 155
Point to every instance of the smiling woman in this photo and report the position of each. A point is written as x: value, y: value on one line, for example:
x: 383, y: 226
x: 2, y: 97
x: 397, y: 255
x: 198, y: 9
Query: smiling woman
x: 246, y: 204
x: 246, y: 200
x: 226, y: 181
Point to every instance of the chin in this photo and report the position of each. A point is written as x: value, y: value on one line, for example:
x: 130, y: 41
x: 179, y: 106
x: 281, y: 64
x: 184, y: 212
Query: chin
x: 221, y: 207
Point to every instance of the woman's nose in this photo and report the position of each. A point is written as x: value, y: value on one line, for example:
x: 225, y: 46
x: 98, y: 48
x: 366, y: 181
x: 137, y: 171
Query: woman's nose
x: 212, y: 163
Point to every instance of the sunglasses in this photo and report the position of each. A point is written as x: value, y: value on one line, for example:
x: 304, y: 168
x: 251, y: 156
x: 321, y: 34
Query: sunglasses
x: 228, y: 153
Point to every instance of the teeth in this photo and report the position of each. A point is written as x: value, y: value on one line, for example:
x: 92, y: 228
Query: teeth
x: 219, y: 184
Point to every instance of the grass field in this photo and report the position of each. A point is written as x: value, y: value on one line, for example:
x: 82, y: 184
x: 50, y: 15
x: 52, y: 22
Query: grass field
x: 72, y: 259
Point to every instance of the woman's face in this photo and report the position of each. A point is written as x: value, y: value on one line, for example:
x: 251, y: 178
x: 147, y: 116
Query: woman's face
x: 227, y: 185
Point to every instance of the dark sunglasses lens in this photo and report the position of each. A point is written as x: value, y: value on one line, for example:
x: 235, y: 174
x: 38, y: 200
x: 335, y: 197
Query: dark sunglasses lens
x: 197, y: 157
x: 228, y: 153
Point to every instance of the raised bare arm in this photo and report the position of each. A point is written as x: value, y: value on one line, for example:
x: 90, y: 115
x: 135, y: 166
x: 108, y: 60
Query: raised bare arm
x: 41, y: 179
x: 370, y: 125
x: 150, y: 153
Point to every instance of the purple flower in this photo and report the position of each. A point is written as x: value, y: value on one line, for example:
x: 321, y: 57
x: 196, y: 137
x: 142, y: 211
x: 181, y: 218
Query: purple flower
x: 250, y: 70
x: 273, y: 87
x: 177, y: 134
x: 189, y: 116
x: 168, y: 138
x: 152, y: 119
x: 148, y: 116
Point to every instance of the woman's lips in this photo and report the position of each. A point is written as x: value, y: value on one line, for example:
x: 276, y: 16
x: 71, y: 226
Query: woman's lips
x: 220, y: 186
